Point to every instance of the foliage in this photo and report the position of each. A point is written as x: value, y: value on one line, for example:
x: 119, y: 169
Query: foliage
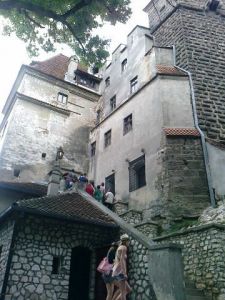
x: 177, y: 226
x: 43, y: 23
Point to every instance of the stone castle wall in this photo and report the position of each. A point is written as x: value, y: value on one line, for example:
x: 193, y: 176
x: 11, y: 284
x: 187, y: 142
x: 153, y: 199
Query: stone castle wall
x: 5, y: 242
x: 37, y: 242
x: 200, y: 48
x: 187, y: 189
x: 203, y: 257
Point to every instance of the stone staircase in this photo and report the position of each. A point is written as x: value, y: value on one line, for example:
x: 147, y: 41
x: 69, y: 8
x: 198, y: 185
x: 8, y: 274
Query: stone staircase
x: 194, y: 294
x: 151, y: 229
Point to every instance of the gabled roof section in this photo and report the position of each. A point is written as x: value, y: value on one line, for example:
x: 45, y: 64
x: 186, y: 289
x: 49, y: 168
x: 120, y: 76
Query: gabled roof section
x: 25, y: 187
x: 67, y: 206
x: 56, y: 66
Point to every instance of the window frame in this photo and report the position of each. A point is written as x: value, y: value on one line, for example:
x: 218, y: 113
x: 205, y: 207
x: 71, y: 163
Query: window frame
x: 64, y: 96
x: 137, y: 174
x: 57, y: 262
x: 127, y: 124
x: 107, y: 81
x: 108, y: 138
x: 113, y: 103
x: 134, y: 85
x: 93, y: 149
x: 124, y: 65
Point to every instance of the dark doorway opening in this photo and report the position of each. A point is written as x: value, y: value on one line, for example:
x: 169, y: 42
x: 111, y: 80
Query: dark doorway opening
x: 110, y: 183
x: 79, y: 274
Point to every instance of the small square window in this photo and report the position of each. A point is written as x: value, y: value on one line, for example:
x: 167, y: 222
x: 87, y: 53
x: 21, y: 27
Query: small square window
x: 127, y: 124
x: 56, y: 264
x: 113, y: 103
x: 107, y: 138
x: 124, y: 65
x: 107, y: 81
x: 134, y: 85
x: 62, y: 98
x: 137, y: 174
x: 93, y: 149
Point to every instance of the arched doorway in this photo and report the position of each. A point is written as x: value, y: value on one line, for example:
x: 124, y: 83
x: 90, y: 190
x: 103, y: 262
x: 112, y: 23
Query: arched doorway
x: 79, y: 274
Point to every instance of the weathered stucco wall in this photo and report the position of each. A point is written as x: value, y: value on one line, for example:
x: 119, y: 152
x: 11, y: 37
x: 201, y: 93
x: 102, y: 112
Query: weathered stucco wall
x: 152, y: 109
x: 34, y: 129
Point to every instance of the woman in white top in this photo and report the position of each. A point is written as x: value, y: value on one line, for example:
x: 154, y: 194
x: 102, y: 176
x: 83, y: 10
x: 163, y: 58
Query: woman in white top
x: 119, y: 273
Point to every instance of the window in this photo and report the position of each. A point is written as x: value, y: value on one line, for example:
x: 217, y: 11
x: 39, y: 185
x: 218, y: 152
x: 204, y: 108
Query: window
x: 134, y: 85
x: 113, y: 103
x: 107, y: 81
x: 98, y: 115
x: 62, y: 98
x: 127, y: 124
x: 93, y: 148
x: 107, y: 138
x: 56, y: 264
x: 124, y: 65
x: 137, y: 174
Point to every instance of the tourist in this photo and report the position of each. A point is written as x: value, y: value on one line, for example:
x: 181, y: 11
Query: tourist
x: 102, y: 188
x: 109, y: 199
x: 83, y: 181
x: 107, y: 278
x: 90, y: 188
x: 98, y: 194
x: 119, y: 273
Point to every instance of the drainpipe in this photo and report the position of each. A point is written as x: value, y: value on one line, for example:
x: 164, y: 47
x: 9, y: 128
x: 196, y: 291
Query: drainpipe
x: 204, y: 147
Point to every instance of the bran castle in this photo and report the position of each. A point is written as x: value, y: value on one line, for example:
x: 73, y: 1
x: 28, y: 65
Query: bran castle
x: 151, y: 125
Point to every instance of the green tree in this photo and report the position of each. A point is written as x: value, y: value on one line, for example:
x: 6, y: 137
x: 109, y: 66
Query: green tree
x: 43, y: 23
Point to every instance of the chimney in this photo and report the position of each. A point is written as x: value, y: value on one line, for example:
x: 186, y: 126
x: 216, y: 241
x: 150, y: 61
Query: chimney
x: 72, y: 67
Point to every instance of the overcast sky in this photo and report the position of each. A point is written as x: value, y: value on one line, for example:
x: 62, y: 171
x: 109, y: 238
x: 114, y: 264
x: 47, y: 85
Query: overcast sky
x: 13, y: 53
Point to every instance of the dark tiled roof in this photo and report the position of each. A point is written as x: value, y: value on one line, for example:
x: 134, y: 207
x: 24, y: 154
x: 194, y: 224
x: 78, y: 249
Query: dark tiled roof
x: 169, y: 70
x: 181, y: 131
x: 25, y: 187
x: 68, y: 206
x: 56, y: 66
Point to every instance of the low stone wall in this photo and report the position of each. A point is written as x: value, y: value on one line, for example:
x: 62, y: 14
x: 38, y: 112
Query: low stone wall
x: 138, y: 272
x: 5, y: 242
x: 150, y: 229
x: 203, y: 257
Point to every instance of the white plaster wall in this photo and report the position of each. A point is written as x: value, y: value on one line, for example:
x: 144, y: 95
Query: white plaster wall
x: 217, y: 168
x: 34, y: 129
x: 152, y: 110
x: 137, y: 65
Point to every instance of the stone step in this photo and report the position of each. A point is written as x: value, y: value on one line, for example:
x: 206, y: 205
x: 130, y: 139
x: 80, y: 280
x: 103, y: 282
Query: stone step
x: 132, y: 216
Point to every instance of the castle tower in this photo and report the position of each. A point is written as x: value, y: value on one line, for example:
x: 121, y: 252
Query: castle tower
x: 196, y: 28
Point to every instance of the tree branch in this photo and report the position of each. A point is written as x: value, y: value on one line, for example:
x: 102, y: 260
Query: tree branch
x: 76, y: 8
x: 74, y: 34
x: 32, y: 20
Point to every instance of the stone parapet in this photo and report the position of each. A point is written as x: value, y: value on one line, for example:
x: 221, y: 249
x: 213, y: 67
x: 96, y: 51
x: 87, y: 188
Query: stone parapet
x: 132, y: 216
x: 150, y: 229
x: 203, y: 257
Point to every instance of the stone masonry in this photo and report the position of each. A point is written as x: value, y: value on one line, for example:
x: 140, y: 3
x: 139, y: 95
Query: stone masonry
x: 5, y: 238
x: 203, y: 257
x: 37, y: 242
x: 199, y: 39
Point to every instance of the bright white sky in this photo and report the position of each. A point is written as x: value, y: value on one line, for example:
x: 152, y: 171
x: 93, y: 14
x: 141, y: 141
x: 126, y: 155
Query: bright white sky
x: 13, y: 53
